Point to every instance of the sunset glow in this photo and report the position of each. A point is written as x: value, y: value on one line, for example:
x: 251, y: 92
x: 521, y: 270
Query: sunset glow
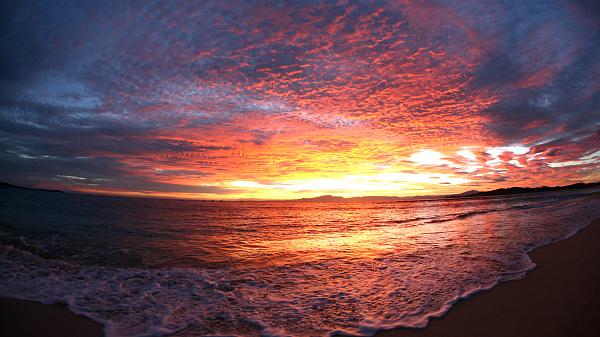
x: 282, y: 100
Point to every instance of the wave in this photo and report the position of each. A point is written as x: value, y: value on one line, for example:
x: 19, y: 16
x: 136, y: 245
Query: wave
x: 461, y: 216
x: 402, y: 289
x: 276, y: 302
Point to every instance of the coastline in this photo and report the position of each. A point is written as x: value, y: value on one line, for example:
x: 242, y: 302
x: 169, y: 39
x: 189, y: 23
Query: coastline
x: 33, y: 319
x: 560, y: 297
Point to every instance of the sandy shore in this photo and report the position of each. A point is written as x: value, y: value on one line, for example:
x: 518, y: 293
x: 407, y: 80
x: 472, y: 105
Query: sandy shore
x: 32, y: 319
x: 561, y: 298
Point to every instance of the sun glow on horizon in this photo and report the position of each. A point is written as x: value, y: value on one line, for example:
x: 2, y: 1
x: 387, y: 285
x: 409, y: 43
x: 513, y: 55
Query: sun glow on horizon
x: 420, y: 173
x: 219, y: 101
x: 384, y: 184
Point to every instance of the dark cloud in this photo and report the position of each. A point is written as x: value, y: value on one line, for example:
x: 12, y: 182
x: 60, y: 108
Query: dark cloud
x: 496, y: 70
x: 104, y: 172
x: 543, y: 70
x: 133, y: 93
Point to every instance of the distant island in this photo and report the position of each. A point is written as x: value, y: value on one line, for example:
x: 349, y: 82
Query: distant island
x: 7, y: 185
x: 467, y: 194
x: 520, y: 190
x: 333, y: 198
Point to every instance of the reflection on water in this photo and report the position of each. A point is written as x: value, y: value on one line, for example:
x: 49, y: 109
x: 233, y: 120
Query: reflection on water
x: 189, y: 268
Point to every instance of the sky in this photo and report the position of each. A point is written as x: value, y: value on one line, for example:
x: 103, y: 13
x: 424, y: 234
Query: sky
x: 291, y: 99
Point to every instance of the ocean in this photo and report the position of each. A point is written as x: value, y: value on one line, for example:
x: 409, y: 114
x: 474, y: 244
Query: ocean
x: 155, y: 267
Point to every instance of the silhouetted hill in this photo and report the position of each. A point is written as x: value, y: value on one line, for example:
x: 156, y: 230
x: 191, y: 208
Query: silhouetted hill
x: 323, y: 198
x: 372, y: 198
x: 467, y: 194
x: 7, y: 185
x: 520, y: 190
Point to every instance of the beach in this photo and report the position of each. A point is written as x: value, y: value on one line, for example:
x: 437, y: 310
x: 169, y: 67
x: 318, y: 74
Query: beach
x: 560, y: 297
x: 25, y: 318
x: 300, y: 168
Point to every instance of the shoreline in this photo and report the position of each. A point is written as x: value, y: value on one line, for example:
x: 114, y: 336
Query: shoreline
x: 26, y: 318
x: 560, y: 297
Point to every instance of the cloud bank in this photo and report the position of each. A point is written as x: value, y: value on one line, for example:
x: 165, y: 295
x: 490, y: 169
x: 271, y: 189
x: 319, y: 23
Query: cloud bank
x: 298, y: 98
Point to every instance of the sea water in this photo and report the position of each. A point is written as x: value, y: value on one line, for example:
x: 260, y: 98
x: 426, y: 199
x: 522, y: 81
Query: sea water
x: 154, y: 267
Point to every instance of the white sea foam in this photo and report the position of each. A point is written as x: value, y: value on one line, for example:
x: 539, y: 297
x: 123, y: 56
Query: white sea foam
x: 404, y: 286
x: 357, y: 298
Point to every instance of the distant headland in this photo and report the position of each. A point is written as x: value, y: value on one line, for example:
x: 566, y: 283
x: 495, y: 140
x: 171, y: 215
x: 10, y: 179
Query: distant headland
x: 333, y: 198
x: 467, y: 194
x: 7, y: 185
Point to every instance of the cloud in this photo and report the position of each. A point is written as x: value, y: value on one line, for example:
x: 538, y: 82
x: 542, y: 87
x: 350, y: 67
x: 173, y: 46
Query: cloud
x: 176, y: 95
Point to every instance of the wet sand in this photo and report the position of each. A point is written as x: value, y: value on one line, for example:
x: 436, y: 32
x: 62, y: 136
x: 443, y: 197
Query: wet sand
x: 32, y: 319
x: 561, y: 297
